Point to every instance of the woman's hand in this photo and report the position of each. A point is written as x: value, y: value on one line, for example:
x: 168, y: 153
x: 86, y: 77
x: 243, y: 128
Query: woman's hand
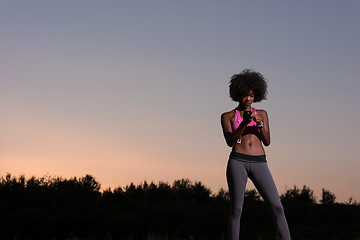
x: 258, y: 119
x: 262, y: 121
x: 247, y: 117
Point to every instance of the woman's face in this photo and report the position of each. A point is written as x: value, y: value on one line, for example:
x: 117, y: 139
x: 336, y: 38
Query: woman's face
x: 248, y: 99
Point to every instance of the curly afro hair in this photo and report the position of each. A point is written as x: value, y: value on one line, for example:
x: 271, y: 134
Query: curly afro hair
x: 242, y: 83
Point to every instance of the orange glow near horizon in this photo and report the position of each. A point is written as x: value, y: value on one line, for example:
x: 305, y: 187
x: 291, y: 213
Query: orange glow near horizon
x: 121, y: 173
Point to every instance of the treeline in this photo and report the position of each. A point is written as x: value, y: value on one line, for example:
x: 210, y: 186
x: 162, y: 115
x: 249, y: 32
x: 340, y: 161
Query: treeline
x: 57, y: 208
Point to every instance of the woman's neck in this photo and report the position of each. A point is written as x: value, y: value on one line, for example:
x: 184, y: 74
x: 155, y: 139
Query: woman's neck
x: 242, y: 108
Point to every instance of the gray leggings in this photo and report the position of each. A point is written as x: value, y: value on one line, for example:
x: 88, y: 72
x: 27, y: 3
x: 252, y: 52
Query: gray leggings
x: 237, y: 173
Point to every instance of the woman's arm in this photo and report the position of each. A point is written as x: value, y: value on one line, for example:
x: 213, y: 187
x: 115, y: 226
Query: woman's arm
x: 264, y: 131
x: 230, y: 136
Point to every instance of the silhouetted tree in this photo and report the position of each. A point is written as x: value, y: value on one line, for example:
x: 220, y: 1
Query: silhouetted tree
x: 89, y: 183
x: 222, y: 194
x: 252, y: 195
x: 182, y: 188
x: 200, y: 191
x: 305, y: 195
x: 327, y: 197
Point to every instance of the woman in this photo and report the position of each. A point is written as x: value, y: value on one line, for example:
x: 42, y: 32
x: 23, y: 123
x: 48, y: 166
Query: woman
x: 246, y: 130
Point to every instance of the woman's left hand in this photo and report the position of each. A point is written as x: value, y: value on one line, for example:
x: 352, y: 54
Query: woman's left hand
x: 258, y: 119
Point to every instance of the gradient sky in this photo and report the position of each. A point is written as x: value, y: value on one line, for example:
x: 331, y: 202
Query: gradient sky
x: 129, y: 91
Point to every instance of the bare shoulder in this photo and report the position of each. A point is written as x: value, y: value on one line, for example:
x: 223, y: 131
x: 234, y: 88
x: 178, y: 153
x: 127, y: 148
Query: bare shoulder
x: 262, y: 112
x: 228, y: 115
x: 227, y: 119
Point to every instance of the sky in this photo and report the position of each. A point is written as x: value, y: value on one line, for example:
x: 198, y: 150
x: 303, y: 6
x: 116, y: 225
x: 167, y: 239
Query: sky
x: 129, y: 91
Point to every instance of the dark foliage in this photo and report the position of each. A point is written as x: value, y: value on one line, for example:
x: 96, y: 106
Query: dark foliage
x: 327, y: 197
x: 297, y: 196
x: 44, y: 208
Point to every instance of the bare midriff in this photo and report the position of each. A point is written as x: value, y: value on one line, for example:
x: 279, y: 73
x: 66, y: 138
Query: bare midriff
x: 250, y: 145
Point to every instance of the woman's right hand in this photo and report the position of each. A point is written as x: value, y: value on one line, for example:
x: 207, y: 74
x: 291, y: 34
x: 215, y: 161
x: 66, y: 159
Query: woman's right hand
x: 247, y: 117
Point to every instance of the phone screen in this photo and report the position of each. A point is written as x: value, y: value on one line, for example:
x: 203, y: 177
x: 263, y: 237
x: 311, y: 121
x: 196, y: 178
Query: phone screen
x: 247, y: 113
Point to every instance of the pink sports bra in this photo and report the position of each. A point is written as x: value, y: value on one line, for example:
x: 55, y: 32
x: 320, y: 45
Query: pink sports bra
x: 238, y: 119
